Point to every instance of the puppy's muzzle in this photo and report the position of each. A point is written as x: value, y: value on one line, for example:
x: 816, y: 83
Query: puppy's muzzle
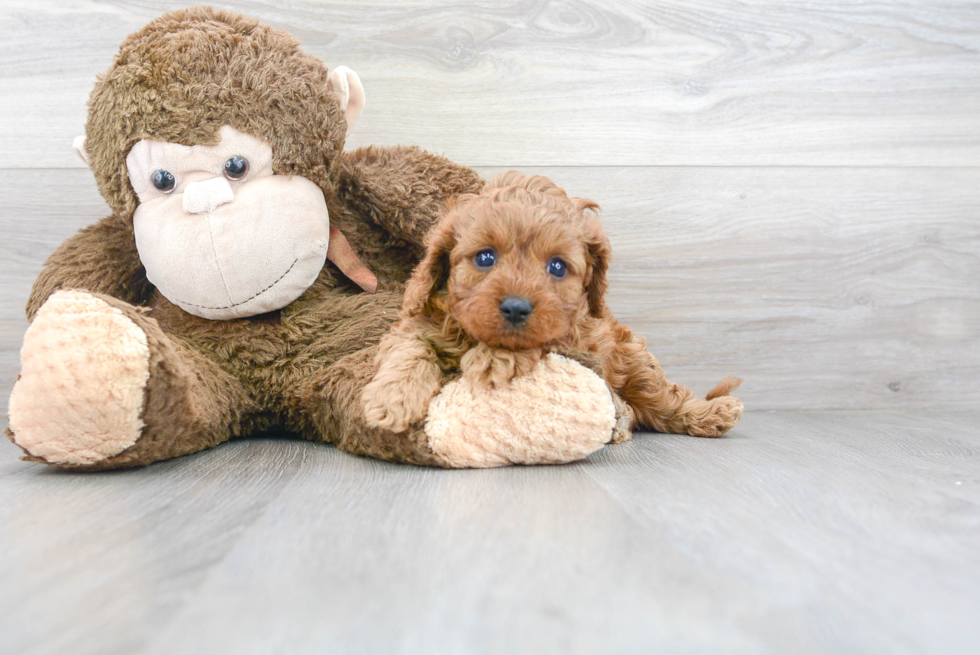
x: 516, y: 310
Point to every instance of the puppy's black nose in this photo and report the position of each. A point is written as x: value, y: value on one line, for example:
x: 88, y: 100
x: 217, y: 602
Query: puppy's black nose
x: 516, y: 309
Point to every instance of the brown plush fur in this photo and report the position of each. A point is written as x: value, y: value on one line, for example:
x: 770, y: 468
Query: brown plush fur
x: 452, y: 322
x: 187, y: 73
x: 179, y: 79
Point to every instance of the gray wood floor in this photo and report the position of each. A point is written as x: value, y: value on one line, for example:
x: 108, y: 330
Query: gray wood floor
x: 792, y: 191
x: 799, y: 533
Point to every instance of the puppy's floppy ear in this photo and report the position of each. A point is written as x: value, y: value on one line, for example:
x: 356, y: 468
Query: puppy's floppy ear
x: 599, y: 255
x: 432, y: 273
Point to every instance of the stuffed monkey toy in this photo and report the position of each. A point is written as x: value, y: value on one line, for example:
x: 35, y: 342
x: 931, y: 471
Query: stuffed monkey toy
x: 248, y: 268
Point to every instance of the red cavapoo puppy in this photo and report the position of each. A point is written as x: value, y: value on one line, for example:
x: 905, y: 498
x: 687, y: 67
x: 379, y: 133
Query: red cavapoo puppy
x: 510, y: 274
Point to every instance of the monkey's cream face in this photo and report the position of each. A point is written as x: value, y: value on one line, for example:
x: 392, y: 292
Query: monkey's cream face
x: 219, y: 233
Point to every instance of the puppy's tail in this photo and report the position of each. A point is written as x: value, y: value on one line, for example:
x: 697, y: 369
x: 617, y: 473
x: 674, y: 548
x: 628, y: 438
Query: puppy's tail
x: 724, y: 388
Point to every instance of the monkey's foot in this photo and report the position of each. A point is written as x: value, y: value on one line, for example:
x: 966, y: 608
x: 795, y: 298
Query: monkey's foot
x: 84, y: 370
x: 559, y: 412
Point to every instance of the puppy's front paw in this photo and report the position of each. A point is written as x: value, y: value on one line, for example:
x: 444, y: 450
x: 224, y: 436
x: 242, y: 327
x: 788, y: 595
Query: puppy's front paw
x: 395, y: 406
x: 492, y: 367
x: 720, y: 416
x: 385, y: 409
x: 625, y: 417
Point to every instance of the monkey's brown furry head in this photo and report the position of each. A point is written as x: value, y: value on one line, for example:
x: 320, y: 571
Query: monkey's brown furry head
x: 187, y: 73
x: 516, y: 266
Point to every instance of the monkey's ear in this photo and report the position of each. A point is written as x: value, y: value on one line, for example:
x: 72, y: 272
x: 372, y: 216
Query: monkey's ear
x: 348, y: 85
x: 432, y: 273
x: 79, y: 145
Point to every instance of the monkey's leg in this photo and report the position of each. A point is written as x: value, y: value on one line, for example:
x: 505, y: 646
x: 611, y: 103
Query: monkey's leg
x: 102, y: 386
x: 663, y: 405
x: 559, y: 412
x: 332, y: 412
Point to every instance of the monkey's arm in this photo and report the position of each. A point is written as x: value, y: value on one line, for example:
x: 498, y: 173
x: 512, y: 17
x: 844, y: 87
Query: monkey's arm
x: 100, y: 258
x: 397, y: 192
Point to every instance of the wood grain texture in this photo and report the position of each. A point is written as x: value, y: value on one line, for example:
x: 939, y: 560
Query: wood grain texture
x: 823, y: 288
x: 799, y: 532
x: 118, y: 556
x: 572, y: 82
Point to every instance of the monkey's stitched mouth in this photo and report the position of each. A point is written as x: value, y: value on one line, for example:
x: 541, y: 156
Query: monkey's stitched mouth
x: 250, y: 298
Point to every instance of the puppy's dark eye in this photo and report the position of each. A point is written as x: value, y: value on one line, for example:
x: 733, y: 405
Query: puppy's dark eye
x: 485, y: 259
x: 236, y: 168
x: 164, y: 181
x: 557, y: 267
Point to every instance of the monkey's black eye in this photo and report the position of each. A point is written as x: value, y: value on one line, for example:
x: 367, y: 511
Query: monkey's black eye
x: 164, y: 181
x: 485, y: 259
x: 236, y: 168
x: 557, y: 267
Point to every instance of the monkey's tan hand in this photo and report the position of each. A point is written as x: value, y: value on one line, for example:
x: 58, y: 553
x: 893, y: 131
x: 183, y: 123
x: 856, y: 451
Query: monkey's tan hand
x: 559, y: 412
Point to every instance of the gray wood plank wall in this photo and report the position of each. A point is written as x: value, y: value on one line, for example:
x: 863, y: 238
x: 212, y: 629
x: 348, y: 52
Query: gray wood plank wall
x: 792, y: 189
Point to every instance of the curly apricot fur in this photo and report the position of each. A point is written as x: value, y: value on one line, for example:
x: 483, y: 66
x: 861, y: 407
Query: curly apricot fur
x: 451, y: 323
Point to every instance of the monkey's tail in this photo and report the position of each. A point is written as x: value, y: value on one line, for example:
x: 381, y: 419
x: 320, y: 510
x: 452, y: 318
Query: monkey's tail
x: 724, y: 388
